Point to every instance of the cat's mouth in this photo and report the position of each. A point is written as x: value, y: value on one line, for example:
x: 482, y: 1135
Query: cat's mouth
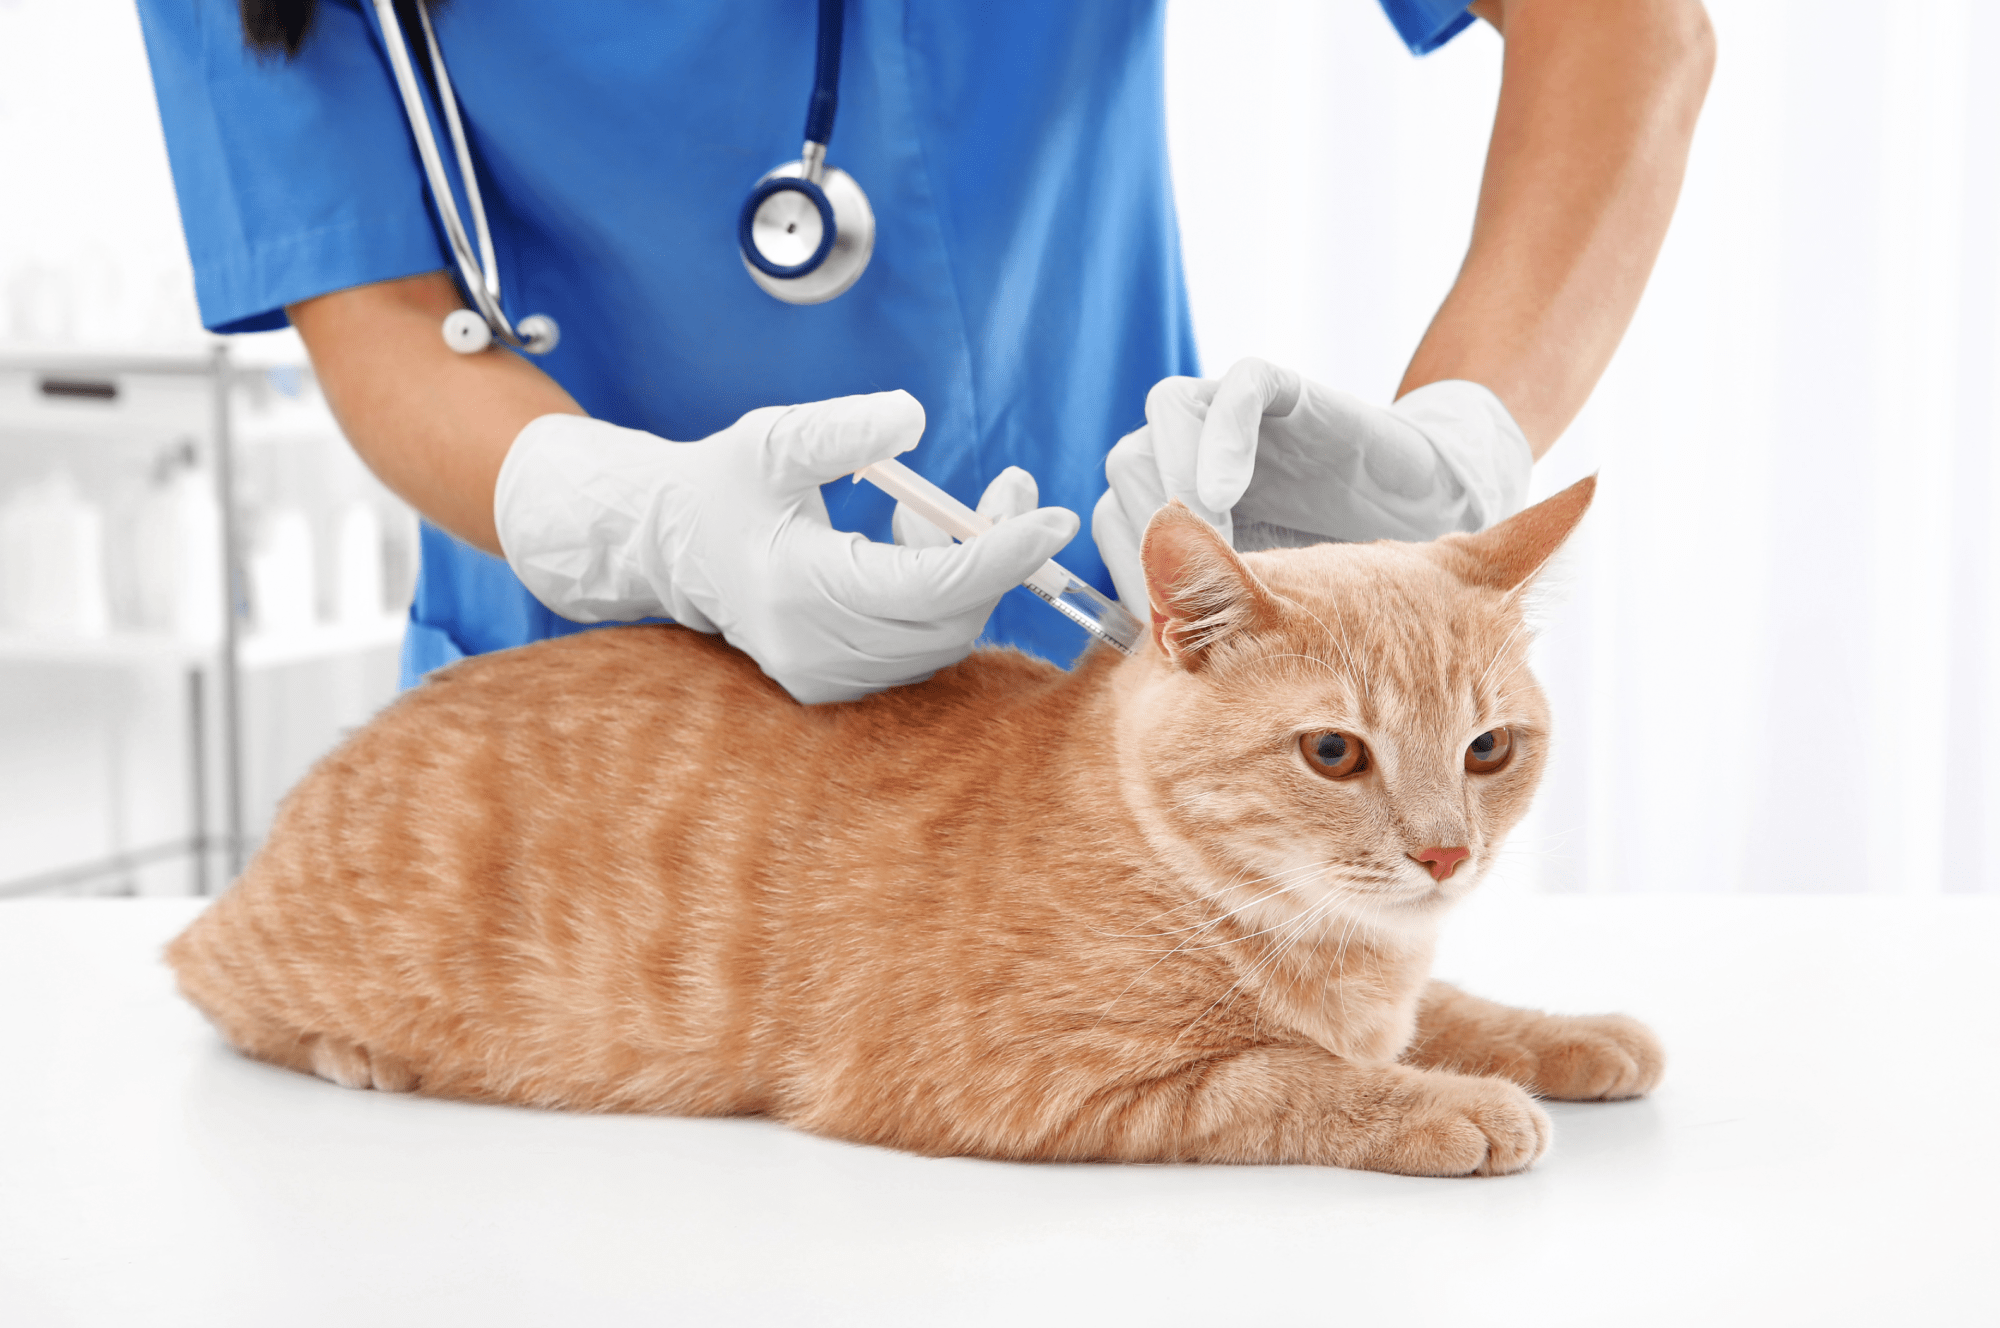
x: 1417, y: 885
x: 1412, y: 888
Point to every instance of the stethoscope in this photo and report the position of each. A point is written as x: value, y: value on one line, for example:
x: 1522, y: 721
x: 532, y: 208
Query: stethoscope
x: 806, y: 232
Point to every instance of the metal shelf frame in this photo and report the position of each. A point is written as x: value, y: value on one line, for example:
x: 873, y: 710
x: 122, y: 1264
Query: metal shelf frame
x: 97, y: 375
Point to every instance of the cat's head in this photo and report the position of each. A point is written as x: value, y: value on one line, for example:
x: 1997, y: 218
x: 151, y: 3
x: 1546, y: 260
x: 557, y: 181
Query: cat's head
x: 1343, y: 730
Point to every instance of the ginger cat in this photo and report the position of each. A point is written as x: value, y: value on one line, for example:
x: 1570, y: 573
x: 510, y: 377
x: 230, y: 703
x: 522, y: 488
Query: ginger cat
x: 1176, y: 907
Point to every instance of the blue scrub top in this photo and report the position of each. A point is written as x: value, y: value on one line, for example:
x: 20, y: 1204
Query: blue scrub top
x: 1026, y: 284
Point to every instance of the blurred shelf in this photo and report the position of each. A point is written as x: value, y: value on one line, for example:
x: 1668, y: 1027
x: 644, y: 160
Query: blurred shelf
x: 257, y: 650
x: 114, y: 648
x: 320, y: 641
x: 218, y: 397
x: 251, y: 353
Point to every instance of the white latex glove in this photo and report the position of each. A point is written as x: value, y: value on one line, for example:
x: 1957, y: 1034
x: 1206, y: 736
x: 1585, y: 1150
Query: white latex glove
x: 730, y: 535
x: 1272, y: 460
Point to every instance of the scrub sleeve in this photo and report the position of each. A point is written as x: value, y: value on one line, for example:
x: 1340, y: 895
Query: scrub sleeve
x: 1425, y: 25
x: 1026, y: 284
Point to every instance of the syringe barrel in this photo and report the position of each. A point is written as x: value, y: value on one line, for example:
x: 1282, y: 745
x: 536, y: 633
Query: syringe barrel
x: 1072, y: 596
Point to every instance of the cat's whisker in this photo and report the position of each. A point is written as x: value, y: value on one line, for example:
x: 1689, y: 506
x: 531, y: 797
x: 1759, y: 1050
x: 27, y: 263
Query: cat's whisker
x: 1199, y: 928
x: 1340, y: 951
x: 1503, y: 696
x: 1552, y: 846
x: 1273, y: 953
x: 1278, y: 950
x: 1340, y: 643
x: 1297, y: 926
x: 1315, y: 659
x: 1234, y: 940
x: 1112, y: 1004
x: 1217, y: 895
x: 1199, y: 898
x: 1500, y: 654
x: 1192, y: 901
x: 1282, y: 948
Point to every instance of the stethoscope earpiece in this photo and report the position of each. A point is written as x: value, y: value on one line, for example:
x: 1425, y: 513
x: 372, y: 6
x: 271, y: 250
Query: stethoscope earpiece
x: 539, y: 333
x: 466, y: 332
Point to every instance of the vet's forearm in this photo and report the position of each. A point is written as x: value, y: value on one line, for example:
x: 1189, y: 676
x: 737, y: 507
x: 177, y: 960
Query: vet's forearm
x: 1598, y: 102
x: 433, y: 424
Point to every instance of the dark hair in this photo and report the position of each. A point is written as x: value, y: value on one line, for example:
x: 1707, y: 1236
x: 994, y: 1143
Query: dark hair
x: 273, y: 27
x: 280, y: 27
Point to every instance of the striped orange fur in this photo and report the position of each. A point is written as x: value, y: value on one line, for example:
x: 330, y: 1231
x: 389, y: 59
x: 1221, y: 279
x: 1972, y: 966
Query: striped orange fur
x: 1012, y: 912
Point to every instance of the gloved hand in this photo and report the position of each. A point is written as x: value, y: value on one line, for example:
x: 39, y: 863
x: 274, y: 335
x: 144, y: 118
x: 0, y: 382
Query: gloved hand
x: 730, y: 535
x: 1273, y: 460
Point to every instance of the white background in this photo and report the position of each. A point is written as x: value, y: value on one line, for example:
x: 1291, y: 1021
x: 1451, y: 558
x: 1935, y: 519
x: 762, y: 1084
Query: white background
x: 1780, y: 668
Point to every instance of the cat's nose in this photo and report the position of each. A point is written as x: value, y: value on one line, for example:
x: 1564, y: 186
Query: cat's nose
x: 1441, y: 861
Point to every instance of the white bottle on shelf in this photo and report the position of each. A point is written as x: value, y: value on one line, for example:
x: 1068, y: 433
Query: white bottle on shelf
x: 52, y: 561
x: 177, y: 544
x: 197, y: 601
x: 283, y: 591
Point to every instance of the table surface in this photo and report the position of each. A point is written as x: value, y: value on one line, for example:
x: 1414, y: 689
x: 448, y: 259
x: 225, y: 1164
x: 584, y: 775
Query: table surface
x: 1822, y: 1152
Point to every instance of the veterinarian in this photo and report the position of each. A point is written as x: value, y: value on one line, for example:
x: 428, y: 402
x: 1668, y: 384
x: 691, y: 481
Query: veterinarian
x: 1023, y: 305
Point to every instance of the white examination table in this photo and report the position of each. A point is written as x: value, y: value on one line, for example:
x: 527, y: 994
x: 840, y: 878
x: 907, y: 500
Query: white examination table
x: 1825, y: 1150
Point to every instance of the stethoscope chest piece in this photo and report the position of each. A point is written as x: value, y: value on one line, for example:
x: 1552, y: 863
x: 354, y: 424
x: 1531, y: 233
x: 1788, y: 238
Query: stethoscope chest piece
x: 806, y: 231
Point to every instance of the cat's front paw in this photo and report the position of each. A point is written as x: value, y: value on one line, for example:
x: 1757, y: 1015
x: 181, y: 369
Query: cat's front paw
x: 1460, y: 1125
x: 1594, y: 1058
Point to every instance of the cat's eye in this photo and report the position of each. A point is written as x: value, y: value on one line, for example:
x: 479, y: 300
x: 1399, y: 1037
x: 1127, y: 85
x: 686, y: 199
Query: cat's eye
x: 1335, y: 755
x: 1489, y: 751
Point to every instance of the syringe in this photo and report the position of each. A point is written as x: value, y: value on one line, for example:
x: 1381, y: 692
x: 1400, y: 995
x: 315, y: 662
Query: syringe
x: 1072, y: 596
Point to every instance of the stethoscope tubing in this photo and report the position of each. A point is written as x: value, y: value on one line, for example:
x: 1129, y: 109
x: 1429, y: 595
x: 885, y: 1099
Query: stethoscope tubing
x: 479, y: 274
x: 825, y: 100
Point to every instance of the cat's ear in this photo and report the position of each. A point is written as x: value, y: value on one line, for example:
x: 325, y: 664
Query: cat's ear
x: 1507, y: 557
x: 1201, y: 592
